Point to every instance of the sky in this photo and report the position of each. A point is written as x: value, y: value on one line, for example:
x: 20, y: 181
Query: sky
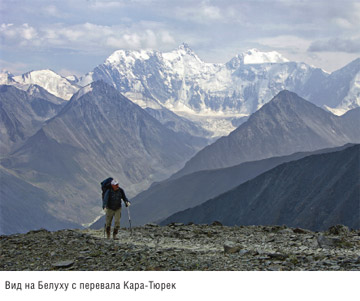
x: 74, y: 36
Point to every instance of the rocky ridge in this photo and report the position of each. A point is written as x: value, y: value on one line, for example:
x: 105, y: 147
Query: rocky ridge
x: 179, y: 247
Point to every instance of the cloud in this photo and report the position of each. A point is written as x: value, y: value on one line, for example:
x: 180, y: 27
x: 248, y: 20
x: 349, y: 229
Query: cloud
x: 291, y: 43
x: 51, y: 10
x: 14, y: 68
x: 87, y: 37
x: 336, y: 45
x: 216, y: 29
x: 203, y: 13
x: 106, y: 4
x: 342, y: 23
x: 24, y: 32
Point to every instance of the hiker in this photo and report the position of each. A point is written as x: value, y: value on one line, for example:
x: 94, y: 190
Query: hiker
x: 112, y: 206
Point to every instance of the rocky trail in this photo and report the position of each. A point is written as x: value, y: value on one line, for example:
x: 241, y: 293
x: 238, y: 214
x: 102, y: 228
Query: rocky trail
x: 179, y: 247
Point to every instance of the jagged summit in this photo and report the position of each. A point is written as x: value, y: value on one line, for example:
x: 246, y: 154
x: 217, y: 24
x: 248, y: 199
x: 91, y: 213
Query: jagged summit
x: 184, y: 48
x: 128, y: 57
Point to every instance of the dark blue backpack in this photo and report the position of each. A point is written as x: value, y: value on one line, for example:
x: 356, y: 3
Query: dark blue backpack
x: 105, y: 185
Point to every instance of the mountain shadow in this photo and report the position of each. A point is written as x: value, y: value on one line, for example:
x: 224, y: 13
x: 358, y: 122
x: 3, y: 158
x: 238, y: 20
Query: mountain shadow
x: 315, y: 192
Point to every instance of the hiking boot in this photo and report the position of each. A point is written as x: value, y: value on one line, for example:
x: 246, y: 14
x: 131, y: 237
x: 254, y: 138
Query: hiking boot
x: 108, y: 232
x: 115, y: 233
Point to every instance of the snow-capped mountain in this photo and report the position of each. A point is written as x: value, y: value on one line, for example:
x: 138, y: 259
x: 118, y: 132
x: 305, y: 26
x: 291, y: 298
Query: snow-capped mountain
x: 255, y: 56
x: 214, y: 94
x: 49, y: 80
x: 344, y: 84
x: 6, y: 78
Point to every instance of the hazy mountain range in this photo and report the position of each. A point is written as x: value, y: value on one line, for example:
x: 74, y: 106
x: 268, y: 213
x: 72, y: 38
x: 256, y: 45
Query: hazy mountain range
x: 313, y: 193
x: 22, y: 113
x: 165, y: 198
x: 25, y: 207
x: 142, y: 115
x: 98, y: 133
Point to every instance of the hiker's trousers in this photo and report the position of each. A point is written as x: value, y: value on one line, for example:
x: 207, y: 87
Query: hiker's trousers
x: 110, y: 214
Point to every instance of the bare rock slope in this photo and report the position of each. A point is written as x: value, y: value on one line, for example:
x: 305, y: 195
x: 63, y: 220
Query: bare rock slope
x: 184, y: 247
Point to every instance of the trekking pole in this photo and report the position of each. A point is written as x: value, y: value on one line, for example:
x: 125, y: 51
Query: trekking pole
x: 128, y: 210
x: 104, y: 229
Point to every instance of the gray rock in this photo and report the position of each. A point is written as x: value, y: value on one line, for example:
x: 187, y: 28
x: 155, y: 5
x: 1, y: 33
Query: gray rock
x: 63, y: 264
x: 278, y: 256
x: 300, y: 231
x: 328, y: 242
x: 230, y: 247
x: 246, y: 248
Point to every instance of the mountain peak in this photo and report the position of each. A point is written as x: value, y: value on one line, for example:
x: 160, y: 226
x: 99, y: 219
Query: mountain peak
x: 185, y: 46
x: 128, y: 56
x: 286, y: 98
x: 6, y: 77
x: 42, y: 72
x: 255, y: 56
x: 184, y: 49
x: 50, y: 81
x: 285, y: 94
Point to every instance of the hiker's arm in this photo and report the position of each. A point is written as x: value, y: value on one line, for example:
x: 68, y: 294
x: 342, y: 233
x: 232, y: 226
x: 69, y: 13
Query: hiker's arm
x: 106, y: 198
x: 125, y: 199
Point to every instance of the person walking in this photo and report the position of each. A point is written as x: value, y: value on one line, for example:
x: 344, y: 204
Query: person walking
x: 112, y: 206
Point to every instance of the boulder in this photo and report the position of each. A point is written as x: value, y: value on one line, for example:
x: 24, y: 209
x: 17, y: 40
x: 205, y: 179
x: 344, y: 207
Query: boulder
x: 63, y: 264
x: 231, y: 248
